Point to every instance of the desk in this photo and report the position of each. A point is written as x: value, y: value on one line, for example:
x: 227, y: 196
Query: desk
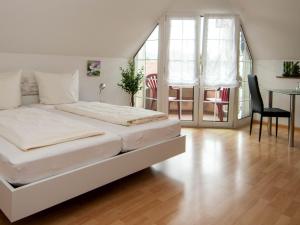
x: 292, y: 93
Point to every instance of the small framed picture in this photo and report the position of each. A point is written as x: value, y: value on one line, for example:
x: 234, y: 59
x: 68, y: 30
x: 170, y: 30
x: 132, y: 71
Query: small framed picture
x: 94, y: 68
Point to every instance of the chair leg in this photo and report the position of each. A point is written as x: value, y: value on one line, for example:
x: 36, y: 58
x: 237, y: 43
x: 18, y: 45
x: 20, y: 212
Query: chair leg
x: 179, y: 109
x: 251, y: 123
x: 260, y: 126
x: 152, y: 104
x: 289, y: 124
x: 276, y: 126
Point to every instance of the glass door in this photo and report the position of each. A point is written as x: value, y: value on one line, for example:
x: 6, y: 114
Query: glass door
x: 201, y: 98
x: 182, y: 69
x: 219, y: 76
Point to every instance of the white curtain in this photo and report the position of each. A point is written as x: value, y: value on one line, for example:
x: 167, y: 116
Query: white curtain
x: 182, y: 63
x: 220, y: 51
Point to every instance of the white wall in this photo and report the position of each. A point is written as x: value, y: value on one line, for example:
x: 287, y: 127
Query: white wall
x: 267, y: 70
x: 110, y: 73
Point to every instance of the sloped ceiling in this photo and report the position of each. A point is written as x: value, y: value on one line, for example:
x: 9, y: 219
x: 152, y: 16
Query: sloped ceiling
x: 116, y: 28
x: 272, y: 27
x: 108, y: 28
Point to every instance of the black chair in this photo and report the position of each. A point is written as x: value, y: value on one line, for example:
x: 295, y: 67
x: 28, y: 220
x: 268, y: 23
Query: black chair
x: 258, y: 105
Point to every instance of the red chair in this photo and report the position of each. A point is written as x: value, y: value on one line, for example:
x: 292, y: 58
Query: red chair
x: 223, y: 100
x: 151, y: 83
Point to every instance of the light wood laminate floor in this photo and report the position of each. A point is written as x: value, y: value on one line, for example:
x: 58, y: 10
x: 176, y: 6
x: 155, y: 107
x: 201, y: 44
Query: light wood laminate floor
x: 225, y: 177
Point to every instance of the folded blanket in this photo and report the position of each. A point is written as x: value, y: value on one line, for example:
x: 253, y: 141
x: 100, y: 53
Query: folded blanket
x: 123, y: 115
x: 29, y: 128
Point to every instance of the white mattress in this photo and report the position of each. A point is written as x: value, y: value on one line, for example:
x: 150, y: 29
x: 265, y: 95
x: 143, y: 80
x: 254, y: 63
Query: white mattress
x: 19, y: 167
x: 133, y: 137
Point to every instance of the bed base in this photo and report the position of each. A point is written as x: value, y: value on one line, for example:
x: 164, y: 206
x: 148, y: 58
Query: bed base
x: 20, y: 202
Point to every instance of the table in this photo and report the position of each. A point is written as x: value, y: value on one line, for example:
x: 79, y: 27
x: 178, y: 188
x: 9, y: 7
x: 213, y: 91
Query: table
x: 292, y: 93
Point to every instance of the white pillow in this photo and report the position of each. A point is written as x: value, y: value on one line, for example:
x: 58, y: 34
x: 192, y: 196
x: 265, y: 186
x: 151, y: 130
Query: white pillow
x: 57, y: 88
x: 10, y: 90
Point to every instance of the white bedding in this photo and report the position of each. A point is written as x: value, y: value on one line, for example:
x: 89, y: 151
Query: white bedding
x: 29, y: 128
x: 133, y: 137
x: 123, y: 115
x: 19, y: 167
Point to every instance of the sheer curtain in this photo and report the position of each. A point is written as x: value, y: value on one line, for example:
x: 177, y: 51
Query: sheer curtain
x: 182, y: 54
x: 220, y: 51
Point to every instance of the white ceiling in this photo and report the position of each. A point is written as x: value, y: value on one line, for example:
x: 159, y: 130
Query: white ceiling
x: 116, y: 28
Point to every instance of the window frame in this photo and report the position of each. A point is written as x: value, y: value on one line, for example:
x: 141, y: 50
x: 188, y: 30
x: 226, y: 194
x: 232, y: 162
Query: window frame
x: 241, y: 82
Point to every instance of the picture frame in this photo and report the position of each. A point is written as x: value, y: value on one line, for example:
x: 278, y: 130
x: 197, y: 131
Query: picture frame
x: 93, y: 68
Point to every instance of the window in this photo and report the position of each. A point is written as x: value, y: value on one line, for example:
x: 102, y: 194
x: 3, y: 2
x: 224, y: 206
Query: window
x: 203, y: 72
x: 182, y: 52
x: 245, y: 68
x: 219, y: 52
x: 219, y: 66
x: 147, y: 59
x: 182, y: 68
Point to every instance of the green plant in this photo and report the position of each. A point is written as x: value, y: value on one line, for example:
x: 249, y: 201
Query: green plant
x: 131, y: 80
x: 291, y: 68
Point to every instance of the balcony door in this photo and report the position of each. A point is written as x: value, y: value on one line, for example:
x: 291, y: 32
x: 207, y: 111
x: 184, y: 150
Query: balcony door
x: 195, y: 49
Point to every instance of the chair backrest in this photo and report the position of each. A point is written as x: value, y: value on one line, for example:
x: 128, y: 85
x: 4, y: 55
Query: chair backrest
x: 151, y: 83
x: 256, y: 99
x: 225, y: 94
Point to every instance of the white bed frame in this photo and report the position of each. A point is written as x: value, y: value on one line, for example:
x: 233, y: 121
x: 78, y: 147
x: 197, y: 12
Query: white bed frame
x: 20, y: 202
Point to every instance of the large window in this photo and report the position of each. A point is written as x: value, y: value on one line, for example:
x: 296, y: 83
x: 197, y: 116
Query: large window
x: 245, y: 68
x: 147, y: 59
x: 201, y: 70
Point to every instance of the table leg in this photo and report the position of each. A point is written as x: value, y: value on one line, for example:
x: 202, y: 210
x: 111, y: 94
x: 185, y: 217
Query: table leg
x: 292, y: 120
x: 270, y: 118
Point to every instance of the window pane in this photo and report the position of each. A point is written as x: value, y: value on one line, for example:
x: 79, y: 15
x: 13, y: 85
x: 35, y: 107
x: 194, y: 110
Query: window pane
x: 245, y: 68
x: 188, y: 27
x: 154, y: 35
x: 181, y: 102
x: 151, y: 49
x: 188, y: 50
x: 182, y: 52
x: 219, y: 46
x: 147, y: 59
x: 216, y: 105
x: 176, y: 29
x: 175, y: 49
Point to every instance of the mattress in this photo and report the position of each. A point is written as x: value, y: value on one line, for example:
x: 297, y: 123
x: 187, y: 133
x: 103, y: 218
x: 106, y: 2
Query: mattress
x: 133, y: 137
x: 19, y: 167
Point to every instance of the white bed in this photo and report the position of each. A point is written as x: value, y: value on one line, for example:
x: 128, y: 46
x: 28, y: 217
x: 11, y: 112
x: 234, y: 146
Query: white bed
x: 133, y: 137
x: 18, y: 167
x: 60, y: 172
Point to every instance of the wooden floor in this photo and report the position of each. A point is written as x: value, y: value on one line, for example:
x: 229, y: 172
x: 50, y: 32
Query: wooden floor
x: 224, y: 178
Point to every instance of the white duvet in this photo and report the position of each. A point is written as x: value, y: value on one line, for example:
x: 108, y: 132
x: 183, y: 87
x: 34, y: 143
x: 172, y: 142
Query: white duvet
x: 123, y: 115
x: 30, y: 128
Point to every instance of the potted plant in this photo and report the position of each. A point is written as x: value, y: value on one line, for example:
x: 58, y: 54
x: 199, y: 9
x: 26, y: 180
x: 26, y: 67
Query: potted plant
x: 291, y: 69
x: 131, y: 80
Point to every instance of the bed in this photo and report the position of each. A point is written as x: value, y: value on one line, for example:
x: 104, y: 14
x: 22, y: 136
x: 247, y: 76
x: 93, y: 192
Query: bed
x: 79, y: 166
x: 133, y: 137
x: 19, y: 168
